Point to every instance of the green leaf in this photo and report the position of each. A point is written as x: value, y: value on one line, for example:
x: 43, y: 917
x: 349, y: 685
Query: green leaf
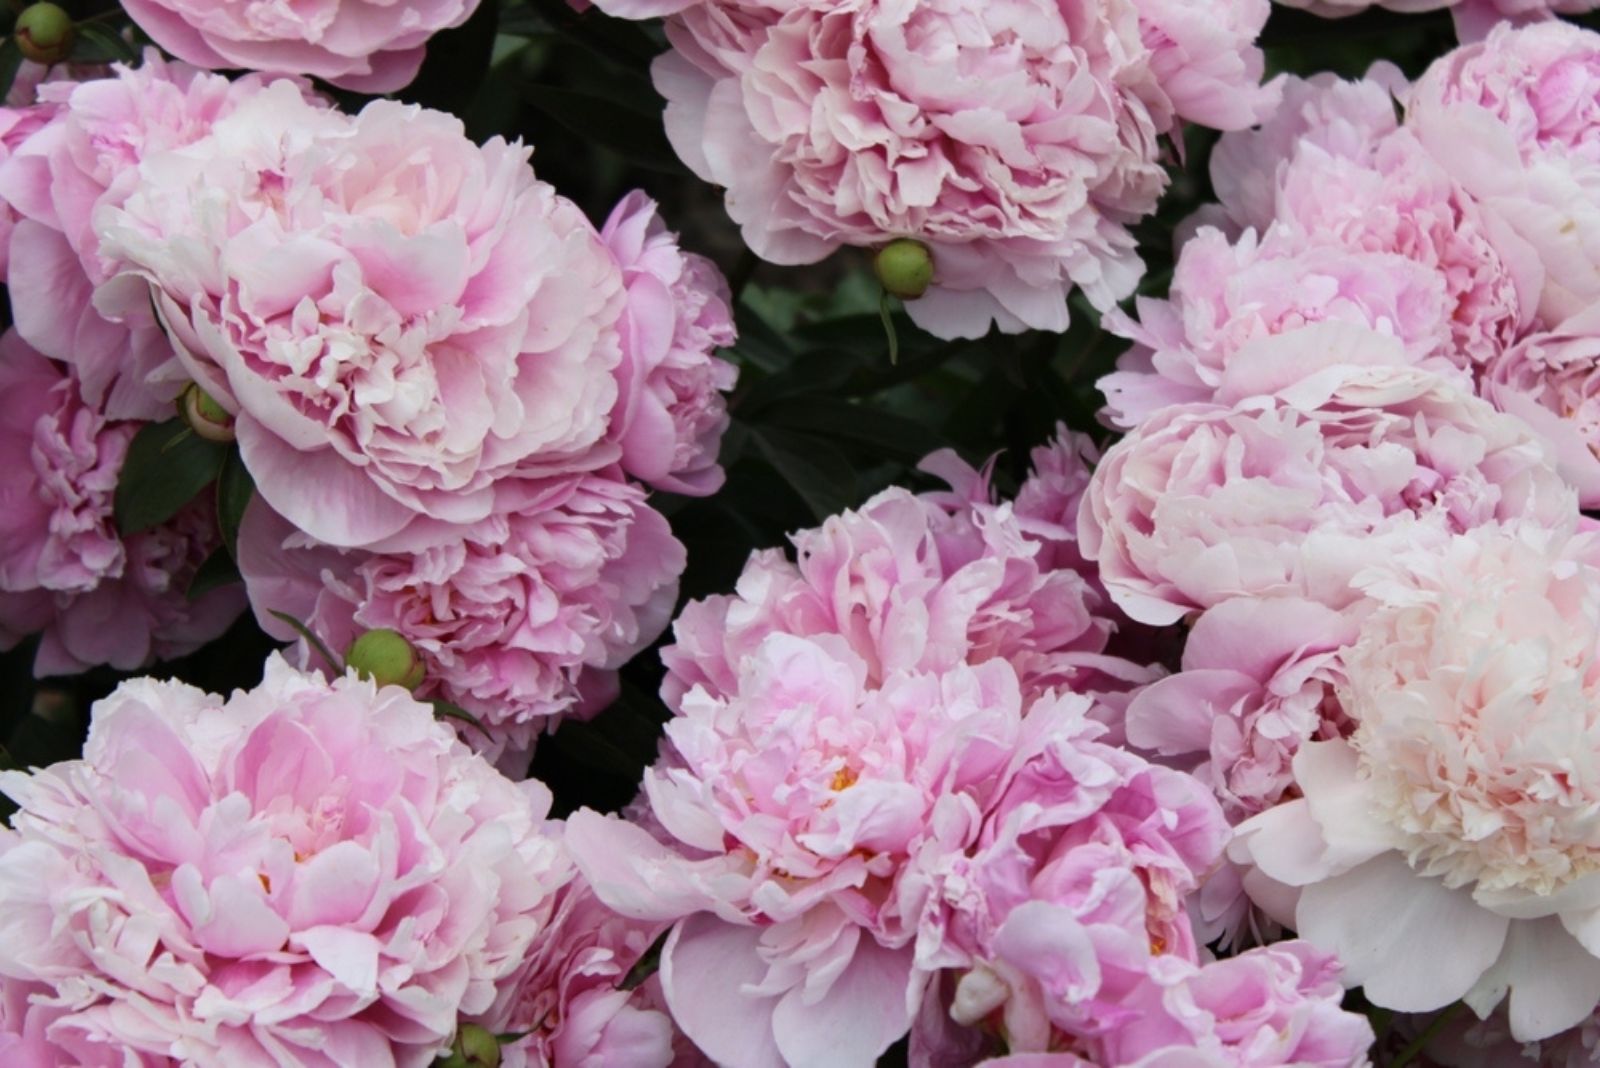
x: 337, y: 663
x: 96, y: 42
x: 823, y: 476
x: 10, y: 63
x: 647, y: 965
x: 446, y: 710
x: 216, y: 571
x: 166, y: 468
x: 631, y: 133
x: 872, y: 429
x: 235, y: 488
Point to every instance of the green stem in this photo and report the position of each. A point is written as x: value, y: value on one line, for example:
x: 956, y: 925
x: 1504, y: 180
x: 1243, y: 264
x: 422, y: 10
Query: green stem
x: 888, y: 328
x: 1407, y: 1055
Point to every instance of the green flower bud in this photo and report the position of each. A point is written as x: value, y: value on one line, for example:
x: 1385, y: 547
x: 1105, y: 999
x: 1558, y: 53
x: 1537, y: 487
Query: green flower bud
x: 385, y: 657
x: 204, y: 415
x: 44, y: 33
x: 905, y: 267
x: 474, y: 1048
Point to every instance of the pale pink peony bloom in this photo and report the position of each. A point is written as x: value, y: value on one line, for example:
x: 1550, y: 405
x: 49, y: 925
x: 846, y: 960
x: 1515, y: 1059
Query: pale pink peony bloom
x: 1017, y: 139
x: 1516, y: 120
x: 670, y: 412
x: 306, y: 873
x: 20, y: 118
x: 1551, y: 381
x: 1462, y: 807
x: 1473, y: 18
x: 97, y: 597
x: 371, y: 46
x: 521, y: 618
x: 1290, y: 492
x: 404, y: 322
x: 922, y: 583
x: 1225, y: 296
x: 567, y: 998
x: 792, y: 807
x: 1270, y: 1006
x: 1074, y: 888
x: 1258, y: 681
x: 85, y: 159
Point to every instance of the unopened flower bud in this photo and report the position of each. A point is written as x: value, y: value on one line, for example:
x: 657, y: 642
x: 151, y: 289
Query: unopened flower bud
x: 44, y: 33
x: 205, y: 416
x: 474, y: 1048
x: 385, y: 657
x: 905, y: 267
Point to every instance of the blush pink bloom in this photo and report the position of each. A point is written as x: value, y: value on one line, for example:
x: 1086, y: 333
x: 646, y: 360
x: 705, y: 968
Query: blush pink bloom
x: 1017, y: 139
x: 567, y: 998
x: 1225, y: 296
x: 402, y: 321
x: 306, y: 873
x: 1274, y: 1005
x: 1551, y: 381
x: 670, y: 412
x: 1462, y: 806
x: 1331, y: 168
x: 1290, y: 492
x: 790, y: 808
x: 371, y: 46
x: 520, y: 619
x: 1258, y: 681
x: 97, y: 597
x: 1516, y: 120
x: 1075, y: 886
x: 85, y: 160
x: 920, y: 583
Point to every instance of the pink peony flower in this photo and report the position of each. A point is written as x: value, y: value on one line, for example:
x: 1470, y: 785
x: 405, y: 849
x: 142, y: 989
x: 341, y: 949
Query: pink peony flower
x: 522, y: 618
x: 920, y: 583
x: 1225, y: 296
x: 1473, y: 18
x: 566, y: 998
x: 1550, y: 381
x: 1017, y: 139
x: 307, y: 873
x: 1516, y: 121
x: 670, y: 412
x: 1275, y: 1005
x: 1462, y: 806
x: 85, y: 159
x: 1073, y: 890
x: 1331, y: 168
x: 1258, y: 682
x: 371, y: 46
x: 792, y: 806
x: 1288, y: 493
x: 405, y: 323
x: 98, y: 598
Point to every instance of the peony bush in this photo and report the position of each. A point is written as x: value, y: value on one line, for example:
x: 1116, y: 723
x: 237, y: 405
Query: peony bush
x: 799, y: 534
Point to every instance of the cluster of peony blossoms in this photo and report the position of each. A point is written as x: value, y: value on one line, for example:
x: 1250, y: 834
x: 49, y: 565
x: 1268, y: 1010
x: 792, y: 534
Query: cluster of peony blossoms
x: 1016, y: 141
x: 452, y: 391
x: 890, y: 803
x: 1358, y: 437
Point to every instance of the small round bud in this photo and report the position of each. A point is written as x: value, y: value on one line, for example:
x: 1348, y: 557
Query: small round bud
x: 905, y: 267
x: 44, y: 33
x: 474, y: 1048
x: 204, y: 415
x: 385, y: 657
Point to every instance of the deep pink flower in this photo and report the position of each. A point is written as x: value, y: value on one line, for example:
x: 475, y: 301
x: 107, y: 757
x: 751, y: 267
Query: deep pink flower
x: 520, y: 619
x: 98, y: 598
x: 308, y: 872
x: 670, y: 412
x: 1017, y: 139
x: 371, y: 46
